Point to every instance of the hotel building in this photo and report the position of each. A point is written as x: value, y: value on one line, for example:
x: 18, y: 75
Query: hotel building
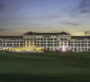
x: 38, y: 42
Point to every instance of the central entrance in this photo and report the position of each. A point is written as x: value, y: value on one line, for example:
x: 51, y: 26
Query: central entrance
x: 64, y: 48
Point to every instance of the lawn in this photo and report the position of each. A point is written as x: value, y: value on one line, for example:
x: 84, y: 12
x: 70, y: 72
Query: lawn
x: 44, y: 67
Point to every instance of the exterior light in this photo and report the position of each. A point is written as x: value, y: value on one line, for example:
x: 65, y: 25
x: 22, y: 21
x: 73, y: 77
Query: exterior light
x: 64, y: 48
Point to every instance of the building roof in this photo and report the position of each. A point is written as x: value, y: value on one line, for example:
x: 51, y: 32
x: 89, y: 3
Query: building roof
x: 80, y: 37
x: 34, y: 33
x: 11, y: 37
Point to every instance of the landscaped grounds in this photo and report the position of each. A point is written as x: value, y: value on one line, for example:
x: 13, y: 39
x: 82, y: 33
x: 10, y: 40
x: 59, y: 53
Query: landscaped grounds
x: 44, y: 67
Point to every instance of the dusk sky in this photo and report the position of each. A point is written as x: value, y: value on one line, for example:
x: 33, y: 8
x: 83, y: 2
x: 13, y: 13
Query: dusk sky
x: 21, y: 16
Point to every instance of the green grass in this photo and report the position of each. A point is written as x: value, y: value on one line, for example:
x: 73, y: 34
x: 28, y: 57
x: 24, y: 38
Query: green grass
x: 44, y: 67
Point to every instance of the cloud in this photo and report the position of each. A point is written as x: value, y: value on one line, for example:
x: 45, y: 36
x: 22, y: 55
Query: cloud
x: 1, y: 29
x: 54, y: 16
x: 71, y: 23
x: 81, y: 10
x: 1, y: 6
x: 84, y: 6
x: 87, y: 32
x: 5, y: 29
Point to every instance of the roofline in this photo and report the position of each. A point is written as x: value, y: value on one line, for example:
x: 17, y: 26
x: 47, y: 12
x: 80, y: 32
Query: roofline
x: 11, y: 36
x: 38, y: 33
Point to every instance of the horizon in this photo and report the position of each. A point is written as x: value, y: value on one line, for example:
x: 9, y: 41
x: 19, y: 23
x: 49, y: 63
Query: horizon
x: 20, y: 16
x: 85, y: 34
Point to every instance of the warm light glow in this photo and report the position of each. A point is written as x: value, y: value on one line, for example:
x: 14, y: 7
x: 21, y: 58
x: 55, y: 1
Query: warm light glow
x: 64, y: 48
x: 20, y: 49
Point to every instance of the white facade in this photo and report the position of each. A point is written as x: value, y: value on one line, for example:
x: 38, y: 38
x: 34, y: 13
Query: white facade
x: 43, y: 41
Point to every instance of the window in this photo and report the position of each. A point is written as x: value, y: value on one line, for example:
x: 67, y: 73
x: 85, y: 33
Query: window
x: 20, y: 45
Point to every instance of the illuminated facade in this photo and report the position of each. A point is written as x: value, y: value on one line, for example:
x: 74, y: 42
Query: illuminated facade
x: 38, y: 42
